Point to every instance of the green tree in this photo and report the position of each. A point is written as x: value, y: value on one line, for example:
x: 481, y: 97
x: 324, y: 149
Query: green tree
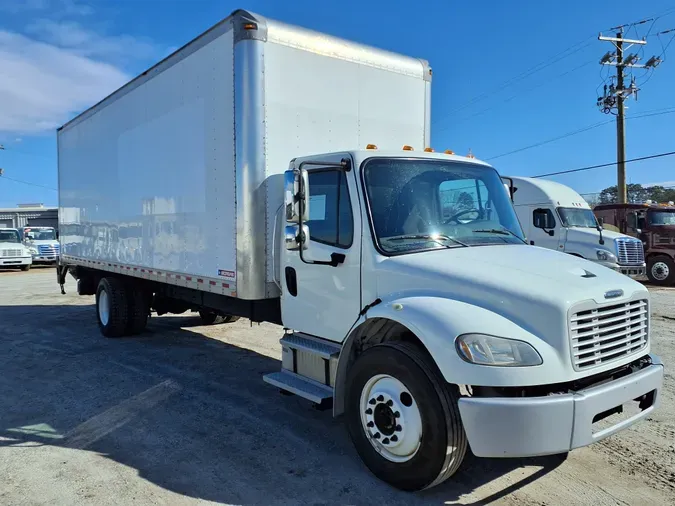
x: 635, y: 193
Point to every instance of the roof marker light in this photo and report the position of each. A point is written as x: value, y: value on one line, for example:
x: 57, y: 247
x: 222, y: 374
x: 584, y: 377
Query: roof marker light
x: 371, y: 146
x: 408, y: 148
x: 449, y: 152
x: 428, y: 150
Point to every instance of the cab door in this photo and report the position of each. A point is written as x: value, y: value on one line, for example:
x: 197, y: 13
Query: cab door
x: 321, y: 283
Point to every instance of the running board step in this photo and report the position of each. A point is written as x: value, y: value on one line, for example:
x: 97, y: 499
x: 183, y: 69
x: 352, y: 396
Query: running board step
x: 318, y: 347
x: 307, y: 388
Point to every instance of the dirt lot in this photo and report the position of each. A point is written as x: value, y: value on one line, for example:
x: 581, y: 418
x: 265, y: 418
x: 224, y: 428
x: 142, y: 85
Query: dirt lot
x: 181, y: 415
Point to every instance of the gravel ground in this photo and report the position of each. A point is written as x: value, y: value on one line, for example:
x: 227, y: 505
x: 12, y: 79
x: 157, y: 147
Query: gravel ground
x: 181, y: 415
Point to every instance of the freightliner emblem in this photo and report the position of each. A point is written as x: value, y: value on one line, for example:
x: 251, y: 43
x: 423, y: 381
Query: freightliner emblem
x: 613, y: 294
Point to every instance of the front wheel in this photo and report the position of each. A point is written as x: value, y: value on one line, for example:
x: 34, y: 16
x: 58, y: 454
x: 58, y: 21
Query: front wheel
x: 403, y: 418
x: 661, y: 270
x: 25, y: 268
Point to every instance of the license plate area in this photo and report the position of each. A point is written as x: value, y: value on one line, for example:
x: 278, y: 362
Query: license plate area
x: 614, y: 416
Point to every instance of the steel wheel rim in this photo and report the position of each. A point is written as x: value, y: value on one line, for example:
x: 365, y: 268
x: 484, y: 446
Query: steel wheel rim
x: 103, y: 307
x: 660, y: 271
x: 393, y: 427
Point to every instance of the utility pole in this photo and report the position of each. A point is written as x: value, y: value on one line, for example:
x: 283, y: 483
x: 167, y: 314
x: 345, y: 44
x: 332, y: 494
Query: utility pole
x: 614, y: 96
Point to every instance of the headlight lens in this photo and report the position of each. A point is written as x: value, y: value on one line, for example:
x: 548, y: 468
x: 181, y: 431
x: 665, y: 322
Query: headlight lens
x: 605, y: 255
x: 497, y: 351
x: 33, y: 251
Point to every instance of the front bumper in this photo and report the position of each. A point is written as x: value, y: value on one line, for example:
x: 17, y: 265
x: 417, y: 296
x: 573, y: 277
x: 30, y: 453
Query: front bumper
x: 533, y: 426
x: 45, y: 258
x: 634, y: 271
x: 10, y: 261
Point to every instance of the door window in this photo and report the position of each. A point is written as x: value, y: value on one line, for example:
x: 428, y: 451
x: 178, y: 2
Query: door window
x: 330, y: 213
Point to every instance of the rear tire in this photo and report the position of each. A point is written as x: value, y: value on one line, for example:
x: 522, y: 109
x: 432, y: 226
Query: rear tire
x: 211, y: 318
x: 661, y: 270
x: 430, y: 441
x: 25, y: 268
x: 139, y: 310
x: 112, y: 307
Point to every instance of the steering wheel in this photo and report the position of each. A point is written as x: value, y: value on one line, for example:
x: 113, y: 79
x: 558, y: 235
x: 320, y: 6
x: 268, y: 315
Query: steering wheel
x: 456, y: 216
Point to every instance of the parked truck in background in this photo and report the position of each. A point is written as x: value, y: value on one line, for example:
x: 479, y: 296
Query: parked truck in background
x: 428, y: 323
x: 12, y: 252
x: 654, y: 225
x: 556, y: 217
x: 43, y: 244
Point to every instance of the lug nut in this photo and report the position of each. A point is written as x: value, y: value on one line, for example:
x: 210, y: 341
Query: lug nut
x: 369, y: 411
x: 371, y: 401
x: 399, y: 428
x: 394, y: 438
x: 396, y: 414
x: 376, y: 435
x: 385, y: 441
x: 370, y: 424
x: 380, y: 398
x: 390, y: 403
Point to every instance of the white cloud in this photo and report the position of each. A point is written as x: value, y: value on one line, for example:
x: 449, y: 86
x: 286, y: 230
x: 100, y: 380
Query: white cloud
x: 80, y: 40
x: 662, y: 183
x: 58, y: 7
x: 43, y: 85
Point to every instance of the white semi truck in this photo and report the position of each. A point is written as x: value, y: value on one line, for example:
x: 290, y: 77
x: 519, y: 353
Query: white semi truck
x: 12, y: 252
x: 43, y: 244
x: 429, y: 325
x: 554, y: 216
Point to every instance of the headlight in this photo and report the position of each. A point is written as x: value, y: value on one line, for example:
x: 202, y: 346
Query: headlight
x: 490, y: 350
x: 33, y: 251
x: 605, y: 255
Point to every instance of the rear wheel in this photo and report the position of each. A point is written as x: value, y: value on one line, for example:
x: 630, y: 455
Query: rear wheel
x: 212, y: 318
x: 112, y: 307
x: 661, y: 270
x: 139, y: 309
x: 25, y: 267
x: 403, y: 418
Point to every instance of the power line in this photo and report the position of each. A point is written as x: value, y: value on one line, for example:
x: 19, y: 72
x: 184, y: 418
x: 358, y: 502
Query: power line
x: 659, y: 155
x: 26, y: 182
x: 655, y: 112
x: 573, y: 49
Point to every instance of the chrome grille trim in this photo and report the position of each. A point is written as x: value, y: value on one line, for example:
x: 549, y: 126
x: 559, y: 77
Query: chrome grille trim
x: 630, y: 251
x: 11, y: 252
x: 603, y: 334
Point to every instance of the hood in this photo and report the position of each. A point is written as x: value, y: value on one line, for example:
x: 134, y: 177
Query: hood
x: 510, y: 280
x: 44, y: 242
x: 11, y: 245
x: 584, y: 241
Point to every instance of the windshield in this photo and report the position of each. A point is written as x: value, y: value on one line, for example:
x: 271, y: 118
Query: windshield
x: 9, y: 236
x: 662, y: 217
x: 48, y: 234
x: 575, y: 217
x: 418, y: 205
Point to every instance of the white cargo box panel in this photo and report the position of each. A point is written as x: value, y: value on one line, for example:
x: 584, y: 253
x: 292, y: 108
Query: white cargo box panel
x: 177, y: 176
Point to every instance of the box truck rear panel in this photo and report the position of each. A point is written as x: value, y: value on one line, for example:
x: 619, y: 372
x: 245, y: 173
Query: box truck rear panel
x: 180, y: 171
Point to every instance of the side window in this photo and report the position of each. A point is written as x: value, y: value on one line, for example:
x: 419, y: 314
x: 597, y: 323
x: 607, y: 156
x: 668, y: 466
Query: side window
x: 543, y: 218
x: 330, y: 212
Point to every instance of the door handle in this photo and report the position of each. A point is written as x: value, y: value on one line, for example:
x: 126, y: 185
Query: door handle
x: 531, y: 243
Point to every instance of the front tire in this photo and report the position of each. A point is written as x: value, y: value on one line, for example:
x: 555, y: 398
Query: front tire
x: 661, y: 270
x: 112, y: 307
x: 25, y: 268
x: 403, y: 418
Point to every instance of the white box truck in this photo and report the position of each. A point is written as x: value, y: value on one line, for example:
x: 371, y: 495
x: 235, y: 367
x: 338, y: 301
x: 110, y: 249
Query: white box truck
x: 554, y: 216
x: 228, y: 180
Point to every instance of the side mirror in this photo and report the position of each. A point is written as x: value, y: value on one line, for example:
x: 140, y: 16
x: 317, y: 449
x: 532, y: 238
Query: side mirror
x: 296, y: 196
x: 601, y: 220
x: 294, y: 239
x: 542, y: 218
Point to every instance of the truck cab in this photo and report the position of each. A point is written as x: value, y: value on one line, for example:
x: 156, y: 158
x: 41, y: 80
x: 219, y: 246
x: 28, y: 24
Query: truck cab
x: 654, y: 225
x: 43, y: 244
x: 556, y: 217
x: 12, y: 252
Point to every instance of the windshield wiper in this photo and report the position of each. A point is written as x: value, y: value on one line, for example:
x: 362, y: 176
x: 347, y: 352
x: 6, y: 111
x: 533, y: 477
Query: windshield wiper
x: 501, y: 231
x: 431, y: 237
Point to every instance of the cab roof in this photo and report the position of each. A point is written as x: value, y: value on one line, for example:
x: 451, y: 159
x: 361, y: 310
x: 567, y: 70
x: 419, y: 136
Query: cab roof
x: 534, y: 191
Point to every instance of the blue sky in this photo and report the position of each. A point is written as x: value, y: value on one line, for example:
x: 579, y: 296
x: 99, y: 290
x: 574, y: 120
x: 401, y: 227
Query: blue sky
x: 57, y: 57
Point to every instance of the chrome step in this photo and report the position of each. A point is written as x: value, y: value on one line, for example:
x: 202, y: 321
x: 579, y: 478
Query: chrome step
x: 320, y: 348
x: 304, y: 387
